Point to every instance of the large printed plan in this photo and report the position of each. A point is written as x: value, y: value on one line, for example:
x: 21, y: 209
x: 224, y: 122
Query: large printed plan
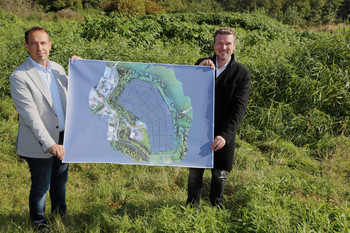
x: 147, y: 114
x: 139, y: 113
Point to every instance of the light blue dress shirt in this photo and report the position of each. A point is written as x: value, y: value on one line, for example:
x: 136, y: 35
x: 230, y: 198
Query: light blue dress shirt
x: 50, y: 81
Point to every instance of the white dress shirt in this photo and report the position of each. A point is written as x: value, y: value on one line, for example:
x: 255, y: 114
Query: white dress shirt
x: 218, y: 71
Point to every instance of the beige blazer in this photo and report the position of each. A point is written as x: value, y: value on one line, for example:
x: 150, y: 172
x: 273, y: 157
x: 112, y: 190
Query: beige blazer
x: 38, y: 123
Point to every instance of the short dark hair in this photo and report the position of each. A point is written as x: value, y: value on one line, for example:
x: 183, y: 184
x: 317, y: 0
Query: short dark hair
x: 227, y: 31
x: 34, y: 29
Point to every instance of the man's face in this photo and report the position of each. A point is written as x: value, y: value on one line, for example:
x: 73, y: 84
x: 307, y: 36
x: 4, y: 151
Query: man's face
x: 39, y: 46
x: 224, y: 46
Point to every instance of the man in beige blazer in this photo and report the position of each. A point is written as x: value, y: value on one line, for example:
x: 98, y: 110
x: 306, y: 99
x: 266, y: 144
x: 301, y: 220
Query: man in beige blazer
x: 39, y: 92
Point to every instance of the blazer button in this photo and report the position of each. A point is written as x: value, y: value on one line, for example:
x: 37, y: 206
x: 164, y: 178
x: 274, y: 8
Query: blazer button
x: 57, y: 127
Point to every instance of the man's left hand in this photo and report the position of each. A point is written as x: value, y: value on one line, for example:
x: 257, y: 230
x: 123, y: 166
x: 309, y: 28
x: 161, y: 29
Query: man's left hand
x: 57, y: 151
x: 75, y: 57
x: 218, y: 143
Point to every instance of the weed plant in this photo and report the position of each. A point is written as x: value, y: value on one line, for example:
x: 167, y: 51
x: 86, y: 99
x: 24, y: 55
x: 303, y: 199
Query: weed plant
x: 292, y: 162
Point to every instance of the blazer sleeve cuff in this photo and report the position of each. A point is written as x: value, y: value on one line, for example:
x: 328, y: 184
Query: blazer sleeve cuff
x: 46, y: 146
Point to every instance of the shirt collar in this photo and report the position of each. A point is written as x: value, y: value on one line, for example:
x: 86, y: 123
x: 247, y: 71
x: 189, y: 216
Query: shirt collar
x: 224, y: 66
x: 40, y: 67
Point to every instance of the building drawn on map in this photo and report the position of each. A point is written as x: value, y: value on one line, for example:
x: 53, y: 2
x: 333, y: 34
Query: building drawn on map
x: 147, y: 114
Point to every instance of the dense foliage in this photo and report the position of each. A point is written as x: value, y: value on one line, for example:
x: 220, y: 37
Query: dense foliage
x: 292, y: 165
x: 293, y: 12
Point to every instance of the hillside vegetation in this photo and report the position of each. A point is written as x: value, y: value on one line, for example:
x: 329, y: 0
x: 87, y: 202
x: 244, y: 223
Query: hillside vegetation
x: 292, y: 166
x: 295, y: 12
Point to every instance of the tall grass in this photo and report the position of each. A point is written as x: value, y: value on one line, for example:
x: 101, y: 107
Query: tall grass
x: 291, y: 170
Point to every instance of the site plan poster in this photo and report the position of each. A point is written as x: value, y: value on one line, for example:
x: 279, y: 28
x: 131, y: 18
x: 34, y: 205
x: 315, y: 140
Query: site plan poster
x: 139, y: 113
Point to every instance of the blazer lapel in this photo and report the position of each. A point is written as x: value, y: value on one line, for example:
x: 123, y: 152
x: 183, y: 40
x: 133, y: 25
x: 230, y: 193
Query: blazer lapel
x: 229, y: 65
x: 39, y: 82
x: 62, y: 90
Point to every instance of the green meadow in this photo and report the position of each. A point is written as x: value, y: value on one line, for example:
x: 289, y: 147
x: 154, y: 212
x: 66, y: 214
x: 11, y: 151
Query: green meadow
x: 292, y: 162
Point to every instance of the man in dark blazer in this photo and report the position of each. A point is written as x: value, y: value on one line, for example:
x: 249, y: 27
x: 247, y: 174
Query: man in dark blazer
x: 39, y: 92
x: 231, y: 99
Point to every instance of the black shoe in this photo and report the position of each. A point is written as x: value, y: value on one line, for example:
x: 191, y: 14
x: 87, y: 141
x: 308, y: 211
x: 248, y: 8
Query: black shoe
x: 193, y: 205
x: 41, y: 227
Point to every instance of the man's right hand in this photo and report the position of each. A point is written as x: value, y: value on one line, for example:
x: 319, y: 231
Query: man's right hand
x: 218, y: 143
x: 57, y: 151
x: 207, y: 62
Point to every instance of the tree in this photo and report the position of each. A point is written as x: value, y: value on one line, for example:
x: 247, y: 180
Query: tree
x: 344, y: 10
x: 330, y: 9
x: 172, y: 6
x: 271, y: 6
x: 202, y: 5
x: 133, y: 7
x: 92, y: 3
x: 275, y: 7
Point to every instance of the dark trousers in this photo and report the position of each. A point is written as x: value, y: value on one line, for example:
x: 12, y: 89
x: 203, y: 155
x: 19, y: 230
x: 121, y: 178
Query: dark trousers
x: 195, y: 184
x: 47, y: 175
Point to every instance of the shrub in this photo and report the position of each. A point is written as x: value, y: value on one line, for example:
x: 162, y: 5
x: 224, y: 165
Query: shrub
x: 19, y: 7
x: 67, y: 14
x: 56, y: 5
